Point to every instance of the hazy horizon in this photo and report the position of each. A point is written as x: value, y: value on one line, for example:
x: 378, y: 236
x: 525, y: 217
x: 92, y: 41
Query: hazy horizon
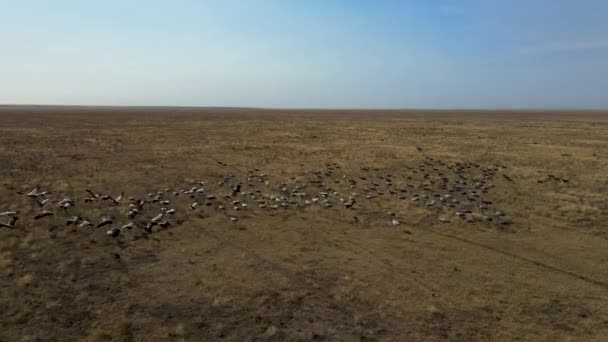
x: 468, y: 54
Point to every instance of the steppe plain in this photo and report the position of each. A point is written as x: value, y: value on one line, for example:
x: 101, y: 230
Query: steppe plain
x: 305, y: 271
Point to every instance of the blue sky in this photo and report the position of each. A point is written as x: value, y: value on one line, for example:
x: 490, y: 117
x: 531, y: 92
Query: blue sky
x: 306, y: 53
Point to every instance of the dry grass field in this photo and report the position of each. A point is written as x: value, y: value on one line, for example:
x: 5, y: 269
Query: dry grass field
x: 304, y: 271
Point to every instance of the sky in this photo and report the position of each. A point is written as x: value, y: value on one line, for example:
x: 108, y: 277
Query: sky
x: 306, y: 53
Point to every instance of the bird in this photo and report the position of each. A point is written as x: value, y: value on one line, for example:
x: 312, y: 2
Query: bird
x: 65, y: 203
x: 148, y: 227
x: 93, y: 195
x: 132, y: 213
x: 129, y: 225
x: 43, y: 202
x: 42, y: 214
x: 140, y: 204
x: 11, y: 222
x: 115, y: 200
x: 158, y: 217
x: 236, y: 190
x: 443, y: 220
x: 85, y: 223
x: 73, y: 220
x: 419, y: 148
x: 34, y: 193
x: 104, y: 221
x: 119, y: 198
x: 113, y: 232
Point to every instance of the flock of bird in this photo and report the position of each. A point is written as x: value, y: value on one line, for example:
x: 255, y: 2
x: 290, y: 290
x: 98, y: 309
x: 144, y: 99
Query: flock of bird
x: 447, y: 189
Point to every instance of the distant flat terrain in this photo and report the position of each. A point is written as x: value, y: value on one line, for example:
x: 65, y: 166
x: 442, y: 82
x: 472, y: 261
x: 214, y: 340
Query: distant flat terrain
x: 308, y: 224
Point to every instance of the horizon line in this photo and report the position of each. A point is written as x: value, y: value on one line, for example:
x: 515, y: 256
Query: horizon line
x: 456, y: 109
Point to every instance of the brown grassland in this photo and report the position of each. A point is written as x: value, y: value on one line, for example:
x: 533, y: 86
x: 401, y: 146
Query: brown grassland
x: 311, y: 273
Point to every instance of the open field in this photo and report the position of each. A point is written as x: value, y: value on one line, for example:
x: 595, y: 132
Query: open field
x: 304, y: 271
